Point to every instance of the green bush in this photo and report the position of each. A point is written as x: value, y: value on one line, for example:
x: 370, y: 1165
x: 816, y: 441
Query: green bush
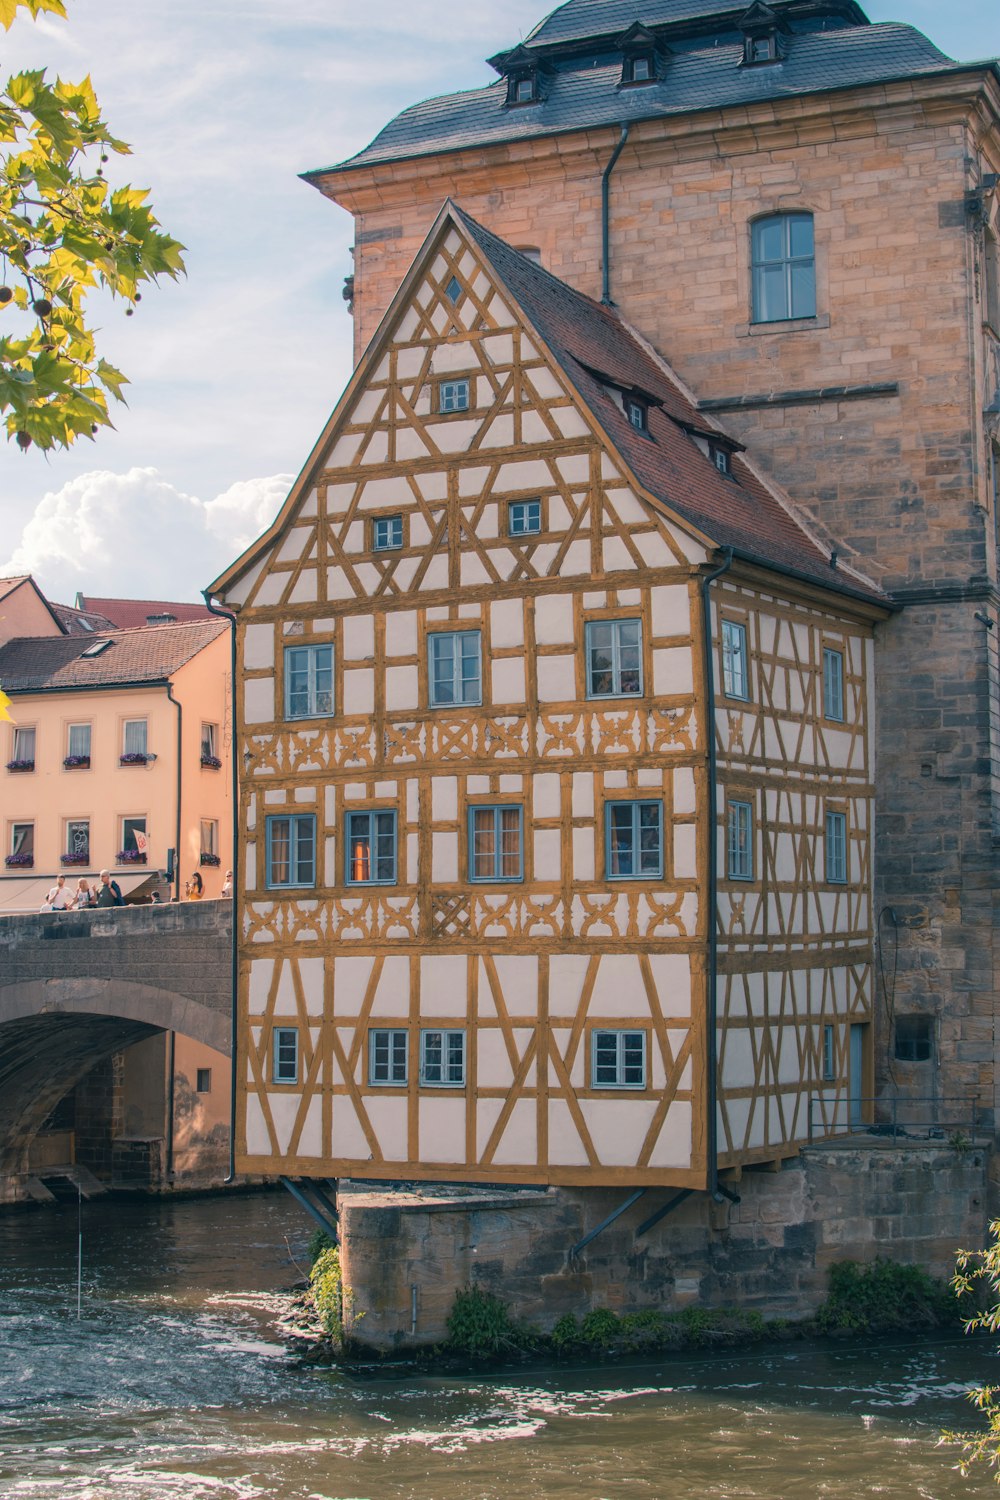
x: 319, y: 1241
x: 601, y: 1328
x: 566, y: 1334
x: 327, y: 1291
x: 883, y: 1297
x: 479, y: 1324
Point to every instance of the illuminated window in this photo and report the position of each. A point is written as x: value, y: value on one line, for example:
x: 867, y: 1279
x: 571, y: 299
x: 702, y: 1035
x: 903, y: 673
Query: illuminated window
x: 371, y: 848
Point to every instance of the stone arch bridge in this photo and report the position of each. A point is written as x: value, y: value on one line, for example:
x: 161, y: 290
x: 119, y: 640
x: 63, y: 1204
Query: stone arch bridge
x: 78, y: 987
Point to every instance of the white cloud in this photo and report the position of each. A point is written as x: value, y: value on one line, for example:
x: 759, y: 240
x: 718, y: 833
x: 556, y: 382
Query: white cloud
x: 137, y: 535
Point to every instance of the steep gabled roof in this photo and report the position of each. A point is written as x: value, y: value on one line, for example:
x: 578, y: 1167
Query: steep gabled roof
x: 10, y: 586
x: 130, y: 659
x: 80, y: 621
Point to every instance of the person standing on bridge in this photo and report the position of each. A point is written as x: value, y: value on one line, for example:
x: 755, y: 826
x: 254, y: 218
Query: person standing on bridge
x: 84, y: 895
x: 58, y: 898
x: 109, y: 891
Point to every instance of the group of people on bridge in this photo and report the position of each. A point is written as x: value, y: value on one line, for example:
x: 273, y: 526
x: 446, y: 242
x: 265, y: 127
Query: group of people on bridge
x: 63, y: 898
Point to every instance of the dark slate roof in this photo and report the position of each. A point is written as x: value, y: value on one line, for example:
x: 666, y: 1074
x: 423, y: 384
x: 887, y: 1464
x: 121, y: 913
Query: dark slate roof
x: 584, y: 336
x: 707, y: 78
x: 33, y: 664
x: 580, y: 19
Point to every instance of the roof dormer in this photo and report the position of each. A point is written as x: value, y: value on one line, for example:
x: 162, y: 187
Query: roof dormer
x: 764, y: 36
x: 643, y: 56
x: 525, y: 75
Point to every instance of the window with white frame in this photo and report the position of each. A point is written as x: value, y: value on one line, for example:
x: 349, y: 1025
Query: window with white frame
x: 210, y: 742
x: 633, y: 840
x: 285, y: 1054
x: 22, y: 844
x: 78, y: 742
x: 135, y: 739
x: 291, y: 850
x: 524, y: 517
x: 829, y: 1072
x: 308, y: 681
x: 453, y: 395
x: 371, y: 848
x: 618, y: 1059
x: 836, y: 847
x: 637, y: 412
x: 735, y: 666
x: 783, y: 268
x: 739, y: 840
x: 388, y: 1056
x: 134, y: 838
x: 454, y: 660
x: 833, y: 684
x: 78, y: 838
x: 23, y: 745
x: 442, y: 1058
x: 496, y: 843
x: 387, y: 533
x: 614, y: 658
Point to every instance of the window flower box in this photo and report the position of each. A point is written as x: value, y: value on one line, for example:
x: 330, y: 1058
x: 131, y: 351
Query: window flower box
x: 20, y: 861
x: 129, y: 857
x: 133, y: 758
x: 20, y: 765
x: 209, y: 859
x: 77, y: 762
x: 211, y: 762
x: 74, y: 859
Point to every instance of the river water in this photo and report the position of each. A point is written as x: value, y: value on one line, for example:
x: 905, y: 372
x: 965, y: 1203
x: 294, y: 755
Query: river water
x: 173, y: 1385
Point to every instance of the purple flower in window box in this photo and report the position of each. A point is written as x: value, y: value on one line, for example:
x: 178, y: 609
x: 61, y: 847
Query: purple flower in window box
x: 133, y: 758
x: 209, y: 859
x: 20, y: 765
x: 211, y: 762
x: 20, y: 861
x: 129, y: 857
x: 74, y: 859
x: 73, y: 762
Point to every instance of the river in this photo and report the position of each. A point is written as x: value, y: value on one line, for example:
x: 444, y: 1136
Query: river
x: 173, y: 1385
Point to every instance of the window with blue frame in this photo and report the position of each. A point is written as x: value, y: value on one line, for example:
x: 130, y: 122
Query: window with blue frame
x: 524, y: 517
x: 453, y: 395
x: 735, y: 667
x: 371, y: 848
x: 442, y: 1058
x: 496, y: 844
x: 388, y: 1056
x: 454, y: 659
x: 739, y: 841
x: 836, y: 848
x: 633, y: 840
x: 783, y: 268
x: 308, y: 681
x: 285, y: 1054
x: 833, y: 685
x: 614, y: 658
x: 387, y: 533
x: 618, y: 1059
x: 291, y: 850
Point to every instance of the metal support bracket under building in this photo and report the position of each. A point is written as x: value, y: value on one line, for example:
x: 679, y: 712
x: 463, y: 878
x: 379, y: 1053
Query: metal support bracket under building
x: 661, y: 1213
x: 308, y: 1192
x: 615, y: 1214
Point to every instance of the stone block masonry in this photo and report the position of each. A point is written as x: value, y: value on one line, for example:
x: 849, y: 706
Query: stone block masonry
x: 771, y: 1251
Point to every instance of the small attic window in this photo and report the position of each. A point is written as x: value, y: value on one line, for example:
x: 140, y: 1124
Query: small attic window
x: 763, y: 39
x: 522, y: 88
x: 638, y: 413
x: 454, y: 289
x: 639, y: 69
x: 761, y: 49
x: 96, y: 649
x: 721, y: 459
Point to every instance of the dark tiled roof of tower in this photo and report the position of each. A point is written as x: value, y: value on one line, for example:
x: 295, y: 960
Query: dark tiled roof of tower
x: 133, y: 658
x: 586, y: 338
x: 578, y: 19
x: 706, y: 78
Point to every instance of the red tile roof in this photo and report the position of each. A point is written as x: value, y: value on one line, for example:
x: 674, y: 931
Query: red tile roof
x: 129, y: 614
x: 132, y: 657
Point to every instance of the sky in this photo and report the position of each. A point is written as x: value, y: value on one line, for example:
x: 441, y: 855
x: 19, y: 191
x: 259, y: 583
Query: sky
x: 235, y: 369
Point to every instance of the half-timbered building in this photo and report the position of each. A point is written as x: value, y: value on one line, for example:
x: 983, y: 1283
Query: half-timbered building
x: 556, y: 725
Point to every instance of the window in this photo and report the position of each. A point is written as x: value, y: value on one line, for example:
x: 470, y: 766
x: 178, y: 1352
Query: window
x: 495, y: 843
x: 633, y: 839
x: 614, y: 658
x: 720, y: 458
x: 134, y: 840
x: 291, y: 850
x: 22, y: 845
x: 78, y: 745
x: 783, y: 268
x: 209, y: 841
x: 210, y: 746
x: 454, y: 662
x: 388, y: 1056
x: 134, y: 739
x: 285, y: 1064
x: 833, y: 684
x: 760, y: 49
x: 524, y: 517
x: 829, y: 1073
x: 23, y: 749
x: 638, y: 69
x: 735, y: 675
x: 991, y: 271
x: 204, y: 1081
x: 453, y: 290
x: 387, y: 533
x: 78, y: 840
x: 453, y: 395
x: 618, y: 1060
x: 637, y: 413
x: 522, y: 91
x: 371, y: 848
x: 308, y: 681
x: 442, y: 1058
x: 914, y: 1038
x: 739, y: 840
x: 836, y: 848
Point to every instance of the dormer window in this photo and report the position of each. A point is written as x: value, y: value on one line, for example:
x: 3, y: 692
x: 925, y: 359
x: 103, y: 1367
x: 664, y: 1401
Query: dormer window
x: 761, y: 49
x: 638, y: 413
x: 523, y: 90
x: 641, y: 55
x: 720, y: 458
x: 638, y: 70
x: 763, y: 38
x: 523, y: 73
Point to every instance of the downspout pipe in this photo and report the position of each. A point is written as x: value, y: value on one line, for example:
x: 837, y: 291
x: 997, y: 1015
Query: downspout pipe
x: 606, y: 218
x: 234, y: 960
x: 180, y: 786
x: 712, y: 818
